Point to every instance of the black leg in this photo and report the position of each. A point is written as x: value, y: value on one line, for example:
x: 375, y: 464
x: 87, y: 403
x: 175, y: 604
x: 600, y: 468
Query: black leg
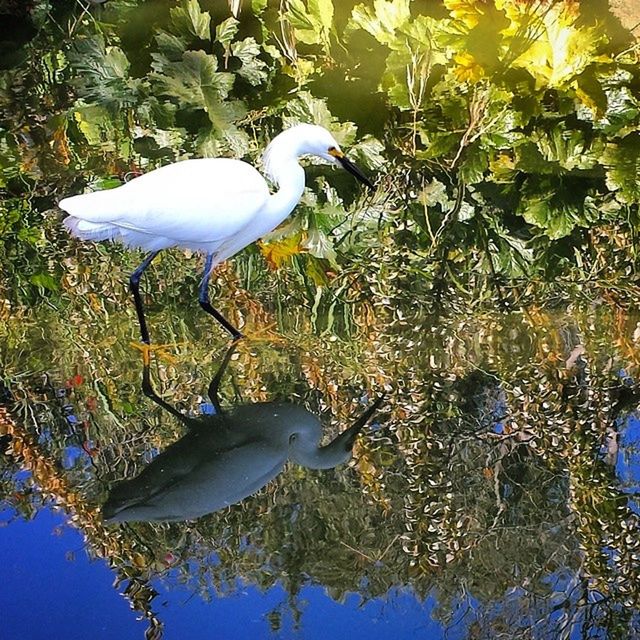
x: 215, y: 383
x: 134, y: 286
x: 148, y: 390
x: 203, y: 298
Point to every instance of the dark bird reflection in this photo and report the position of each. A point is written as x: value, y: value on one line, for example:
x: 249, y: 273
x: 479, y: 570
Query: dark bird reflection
x: 225, y: 457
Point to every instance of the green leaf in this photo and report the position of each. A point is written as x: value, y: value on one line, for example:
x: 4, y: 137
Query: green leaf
x: 307, y: 108
x: 622, y: 162
x: 557, y: 222
x: 312, y: 23
x: 474, y: 164
x: 567, y: 147
x: 437, y: 144
x: 558, y: 150
x: 556, y: 205
x: 623, y: 107
x: 188, y: 19
x: 96, y: 125
x: 252, y: 69
x: 226, y: 31
x: 45, y: 281
x: 223, y: 136
x: 193, y: 81
x: 324, y: 10
x: 171, y: 45
x: 563, y: 49
x: 258, y: 6
x: 529, y: 159
x: 369, y: 151
x: 382, y: 20
x: 102, y: 74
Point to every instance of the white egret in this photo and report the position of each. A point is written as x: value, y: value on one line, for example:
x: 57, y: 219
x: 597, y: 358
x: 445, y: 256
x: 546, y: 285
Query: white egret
x: 216, y: 206
x: 225, y: 457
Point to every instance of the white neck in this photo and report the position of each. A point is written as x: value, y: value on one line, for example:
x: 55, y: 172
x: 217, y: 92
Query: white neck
x: 281, y: 166
x: 288, y: 175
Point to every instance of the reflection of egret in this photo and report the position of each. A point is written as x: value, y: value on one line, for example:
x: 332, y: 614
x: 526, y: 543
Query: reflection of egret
x: 214, y: 205
x: 225, y: 457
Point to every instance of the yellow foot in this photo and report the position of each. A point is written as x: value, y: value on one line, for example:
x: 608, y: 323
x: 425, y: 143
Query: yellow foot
x: 160, y: 349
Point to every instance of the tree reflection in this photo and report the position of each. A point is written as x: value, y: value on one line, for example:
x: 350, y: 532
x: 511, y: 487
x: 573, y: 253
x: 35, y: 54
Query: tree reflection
x: 491, y: 483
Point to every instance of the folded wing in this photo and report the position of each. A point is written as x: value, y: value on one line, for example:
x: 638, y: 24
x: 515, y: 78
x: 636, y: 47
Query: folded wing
x: 195, y: 204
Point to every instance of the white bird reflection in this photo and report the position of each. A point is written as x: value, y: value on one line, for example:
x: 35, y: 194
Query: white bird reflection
x: 225, y: 457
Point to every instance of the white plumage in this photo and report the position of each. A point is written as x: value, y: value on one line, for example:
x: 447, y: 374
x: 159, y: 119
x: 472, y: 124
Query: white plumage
x: 196, y: 204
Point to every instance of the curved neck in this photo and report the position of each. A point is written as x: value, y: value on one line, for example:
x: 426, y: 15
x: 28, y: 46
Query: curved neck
x: 289, y: 176
x: 281, y: 166
x: 329, y: 456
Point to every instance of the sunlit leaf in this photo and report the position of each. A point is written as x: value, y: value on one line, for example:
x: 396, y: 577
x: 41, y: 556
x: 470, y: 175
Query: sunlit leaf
x: 258, y: 6
x: 383, y: 19
x: 278, y: 252
x: 312, y: 22
x: 467, y: 69
x: 622, y: 161
x: 226, y: 31
x: 564, y: 50
x: 468, y: 12
x: 189, y: 19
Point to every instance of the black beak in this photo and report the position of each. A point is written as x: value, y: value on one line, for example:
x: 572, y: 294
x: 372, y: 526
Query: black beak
x: 354, y: 170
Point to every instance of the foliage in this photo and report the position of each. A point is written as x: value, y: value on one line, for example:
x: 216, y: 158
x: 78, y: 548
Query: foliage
x: 523, y: 115
x: 515, y: 100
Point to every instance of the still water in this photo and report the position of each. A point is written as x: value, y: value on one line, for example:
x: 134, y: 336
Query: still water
x: 471, y: 328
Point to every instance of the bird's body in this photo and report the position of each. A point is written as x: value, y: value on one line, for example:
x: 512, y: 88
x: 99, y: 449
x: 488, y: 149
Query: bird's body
x: 194, y: 204
x: 214, y: 205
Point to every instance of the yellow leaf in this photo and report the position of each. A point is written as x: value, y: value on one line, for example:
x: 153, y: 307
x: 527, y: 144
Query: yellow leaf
x: 139, y: 560
x: 562, y: 50
x: 61, y: 144
x: 468, y: 70
x: 277, y: 253
x: 503, y: 167
x: 467, y: 11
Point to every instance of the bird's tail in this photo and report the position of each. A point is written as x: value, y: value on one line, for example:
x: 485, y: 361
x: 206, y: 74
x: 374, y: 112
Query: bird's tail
x: 86, y: 230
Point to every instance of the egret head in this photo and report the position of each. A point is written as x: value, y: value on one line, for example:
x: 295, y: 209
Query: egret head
x: 322, y: 143
x: 304, y: 449
x: 311, y: 139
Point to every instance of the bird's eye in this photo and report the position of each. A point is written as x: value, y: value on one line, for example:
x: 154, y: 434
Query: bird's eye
x: 293, y: 437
